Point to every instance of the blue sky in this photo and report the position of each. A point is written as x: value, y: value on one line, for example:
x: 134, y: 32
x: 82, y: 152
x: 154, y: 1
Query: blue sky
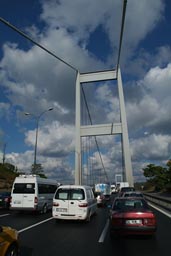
x: 86, y: 35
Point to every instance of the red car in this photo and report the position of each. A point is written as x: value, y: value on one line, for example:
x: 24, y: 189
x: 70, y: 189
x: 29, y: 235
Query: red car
x: 131, y: 216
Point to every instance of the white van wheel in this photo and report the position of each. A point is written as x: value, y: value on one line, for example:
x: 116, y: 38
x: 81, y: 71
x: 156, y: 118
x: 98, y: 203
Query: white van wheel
x: 44, y: 209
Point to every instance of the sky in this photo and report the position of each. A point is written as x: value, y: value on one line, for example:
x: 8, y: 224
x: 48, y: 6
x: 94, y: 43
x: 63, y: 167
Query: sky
x: 85, y: 34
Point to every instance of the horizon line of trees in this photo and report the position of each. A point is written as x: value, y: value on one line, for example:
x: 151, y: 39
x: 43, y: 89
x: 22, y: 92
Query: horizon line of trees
x: 10, y: 168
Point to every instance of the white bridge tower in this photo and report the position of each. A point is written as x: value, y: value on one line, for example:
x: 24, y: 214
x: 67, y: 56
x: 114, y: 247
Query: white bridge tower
x: 103, y: 129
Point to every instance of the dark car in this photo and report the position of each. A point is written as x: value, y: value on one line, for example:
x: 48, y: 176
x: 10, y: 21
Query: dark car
x: 133, y: 194
x: 125, y: 189
x: 131, y: 216
x: 5, y: 199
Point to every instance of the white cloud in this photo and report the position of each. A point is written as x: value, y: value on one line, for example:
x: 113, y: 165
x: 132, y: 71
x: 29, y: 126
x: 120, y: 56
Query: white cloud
x: 153, y: 107
x: 54, y: 139
x: 33, y: 80
x: 153, y: 147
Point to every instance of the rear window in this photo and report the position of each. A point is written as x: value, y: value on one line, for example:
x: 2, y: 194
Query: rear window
x: 126, y: 189
x: 127, y: 204
x: 70, y: 194
x: 24, y: 188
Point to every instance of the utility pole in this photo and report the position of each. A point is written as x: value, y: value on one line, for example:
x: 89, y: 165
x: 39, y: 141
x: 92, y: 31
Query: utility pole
x: 4, y: 153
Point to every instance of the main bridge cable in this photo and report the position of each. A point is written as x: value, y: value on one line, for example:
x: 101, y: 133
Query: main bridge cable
x: 34, y: 42
x: 54, y: 55
x: 98, y: 149
x: 121, y: 34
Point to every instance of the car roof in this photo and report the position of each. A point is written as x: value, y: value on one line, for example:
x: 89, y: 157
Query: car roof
x: 129, y: 198
x: 73, y: 186
x: 132, y: 192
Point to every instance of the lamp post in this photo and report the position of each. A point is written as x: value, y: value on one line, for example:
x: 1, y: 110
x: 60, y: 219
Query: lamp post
x: 37, y: 118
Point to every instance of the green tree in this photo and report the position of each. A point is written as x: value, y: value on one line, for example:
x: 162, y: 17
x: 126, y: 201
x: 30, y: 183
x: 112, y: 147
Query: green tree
x: 168, y: 186
x: 158, y: 176
x: 38, y: 170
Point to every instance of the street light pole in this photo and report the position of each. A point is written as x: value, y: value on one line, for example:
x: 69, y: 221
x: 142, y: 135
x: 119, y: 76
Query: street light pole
x: 37, y: 118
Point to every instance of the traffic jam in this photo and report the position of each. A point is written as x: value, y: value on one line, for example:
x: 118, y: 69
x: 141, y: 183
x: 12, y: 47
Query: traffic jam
x: 128, y: 211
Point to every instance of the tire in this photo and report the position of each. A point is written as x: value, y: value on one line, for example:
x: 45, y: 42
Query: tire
x: 12, y: 250
x: 44, y: 209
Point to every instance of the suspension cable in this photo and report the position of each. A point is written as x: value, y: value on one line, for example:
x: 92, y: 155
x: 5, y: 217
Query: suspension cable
x: 98, y: 149
x: 121, y: 33
x: 34, y: 42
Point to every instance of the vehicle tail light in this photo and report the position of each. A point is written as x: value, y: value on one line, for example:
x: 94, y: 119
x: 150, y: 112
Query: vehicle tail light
x: 150, y: 221
x: 35, y: 200
x: 55, y: 204
x: 83, y: 205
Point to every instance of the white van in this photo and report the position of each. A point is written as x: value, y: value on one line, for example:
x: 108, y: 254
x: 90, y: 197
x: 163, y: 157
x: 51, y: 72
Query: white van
x: 74, y: 202
x: 32, y: 193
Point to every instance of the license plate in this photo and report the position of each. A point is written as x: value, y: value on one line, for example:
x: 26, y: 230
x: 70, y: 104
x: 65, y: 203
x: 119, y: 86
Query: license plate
x: 61, y: 209
x: 17, y: 202
x: 133, y: 222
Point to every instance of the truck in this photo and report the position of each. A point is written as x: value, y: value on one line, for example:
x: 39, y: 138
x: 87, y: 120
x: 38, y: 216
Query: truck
x: 120, y: 185
x: 104, y: 189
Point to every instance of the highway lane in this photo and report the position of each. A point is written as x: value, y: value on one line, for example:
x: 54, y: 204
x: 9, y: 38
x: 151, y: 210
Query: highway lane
x: 71, y: 238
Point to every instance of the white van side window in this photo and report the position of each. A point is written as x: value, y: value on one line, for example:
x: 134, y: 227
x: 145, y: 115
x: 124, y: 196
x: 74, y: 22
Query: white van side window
x: 92, y: 194
x: 88, y: 194
x: 46, y: 188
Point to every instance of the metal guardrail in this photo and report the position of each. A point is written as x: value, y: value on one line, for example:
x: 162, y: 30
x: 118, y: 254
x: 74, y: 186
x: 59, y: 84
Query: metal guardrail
x: 163, y: 202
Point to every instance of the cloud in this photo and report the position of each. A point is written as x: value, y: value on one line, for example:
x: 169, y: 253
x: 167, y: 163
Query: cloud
x: 52, y: 167
x: 152, y: 147
x: 34, y: 81
x: 54, y: 140
x: 151, y: 110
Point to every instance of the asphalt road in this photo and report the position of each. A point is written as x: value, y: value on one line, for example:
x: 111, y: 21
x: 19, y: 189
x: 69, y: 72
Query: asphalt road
x: 40, y: 235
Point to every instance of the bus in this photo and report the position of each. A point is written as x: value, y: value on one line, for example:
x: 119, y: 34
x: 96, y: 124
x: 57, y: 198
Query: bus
x: 32, y: 193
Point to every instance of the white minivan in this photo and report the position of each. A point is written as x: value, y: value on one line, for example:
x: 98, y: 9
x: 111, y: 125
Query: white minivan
x: 32, y: 193
x: 74, y: 202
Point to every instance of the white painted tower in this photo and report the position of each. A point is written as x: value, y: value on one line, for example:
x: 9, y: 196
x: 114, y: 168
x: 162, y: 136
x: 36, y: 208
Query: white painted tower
x: 104, y: 129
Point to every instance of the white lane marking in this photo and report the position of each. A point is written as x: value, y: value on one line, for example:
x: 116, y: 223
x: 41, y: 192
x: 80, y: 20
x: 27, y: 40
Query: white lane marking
x: 104, y: 232
x: 4, y: 215
x: 32, y: 226
x: 160, y: 210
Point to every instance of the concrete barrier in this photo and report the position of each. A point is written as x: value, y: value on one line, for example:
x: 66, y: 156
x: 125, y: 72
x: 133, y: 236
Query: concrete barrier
x: 163, y: 202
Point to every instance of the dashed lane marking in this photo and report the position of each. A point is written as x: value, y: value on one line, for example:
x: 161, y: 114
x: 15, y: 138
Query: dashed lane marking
x: 3, y: 215
x: 32, y: 226
x: 104, y: 232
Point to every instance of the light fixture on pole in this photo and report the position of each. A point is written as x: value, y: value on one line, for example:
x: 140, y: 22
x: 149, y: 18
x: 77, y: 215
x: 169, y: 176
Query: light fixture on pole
x: 37, y: 118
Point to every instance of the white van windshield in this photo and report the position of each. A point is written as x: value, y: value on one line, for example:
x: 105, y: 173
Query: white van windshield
x: 24, y: 188
x: 70, y: 194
